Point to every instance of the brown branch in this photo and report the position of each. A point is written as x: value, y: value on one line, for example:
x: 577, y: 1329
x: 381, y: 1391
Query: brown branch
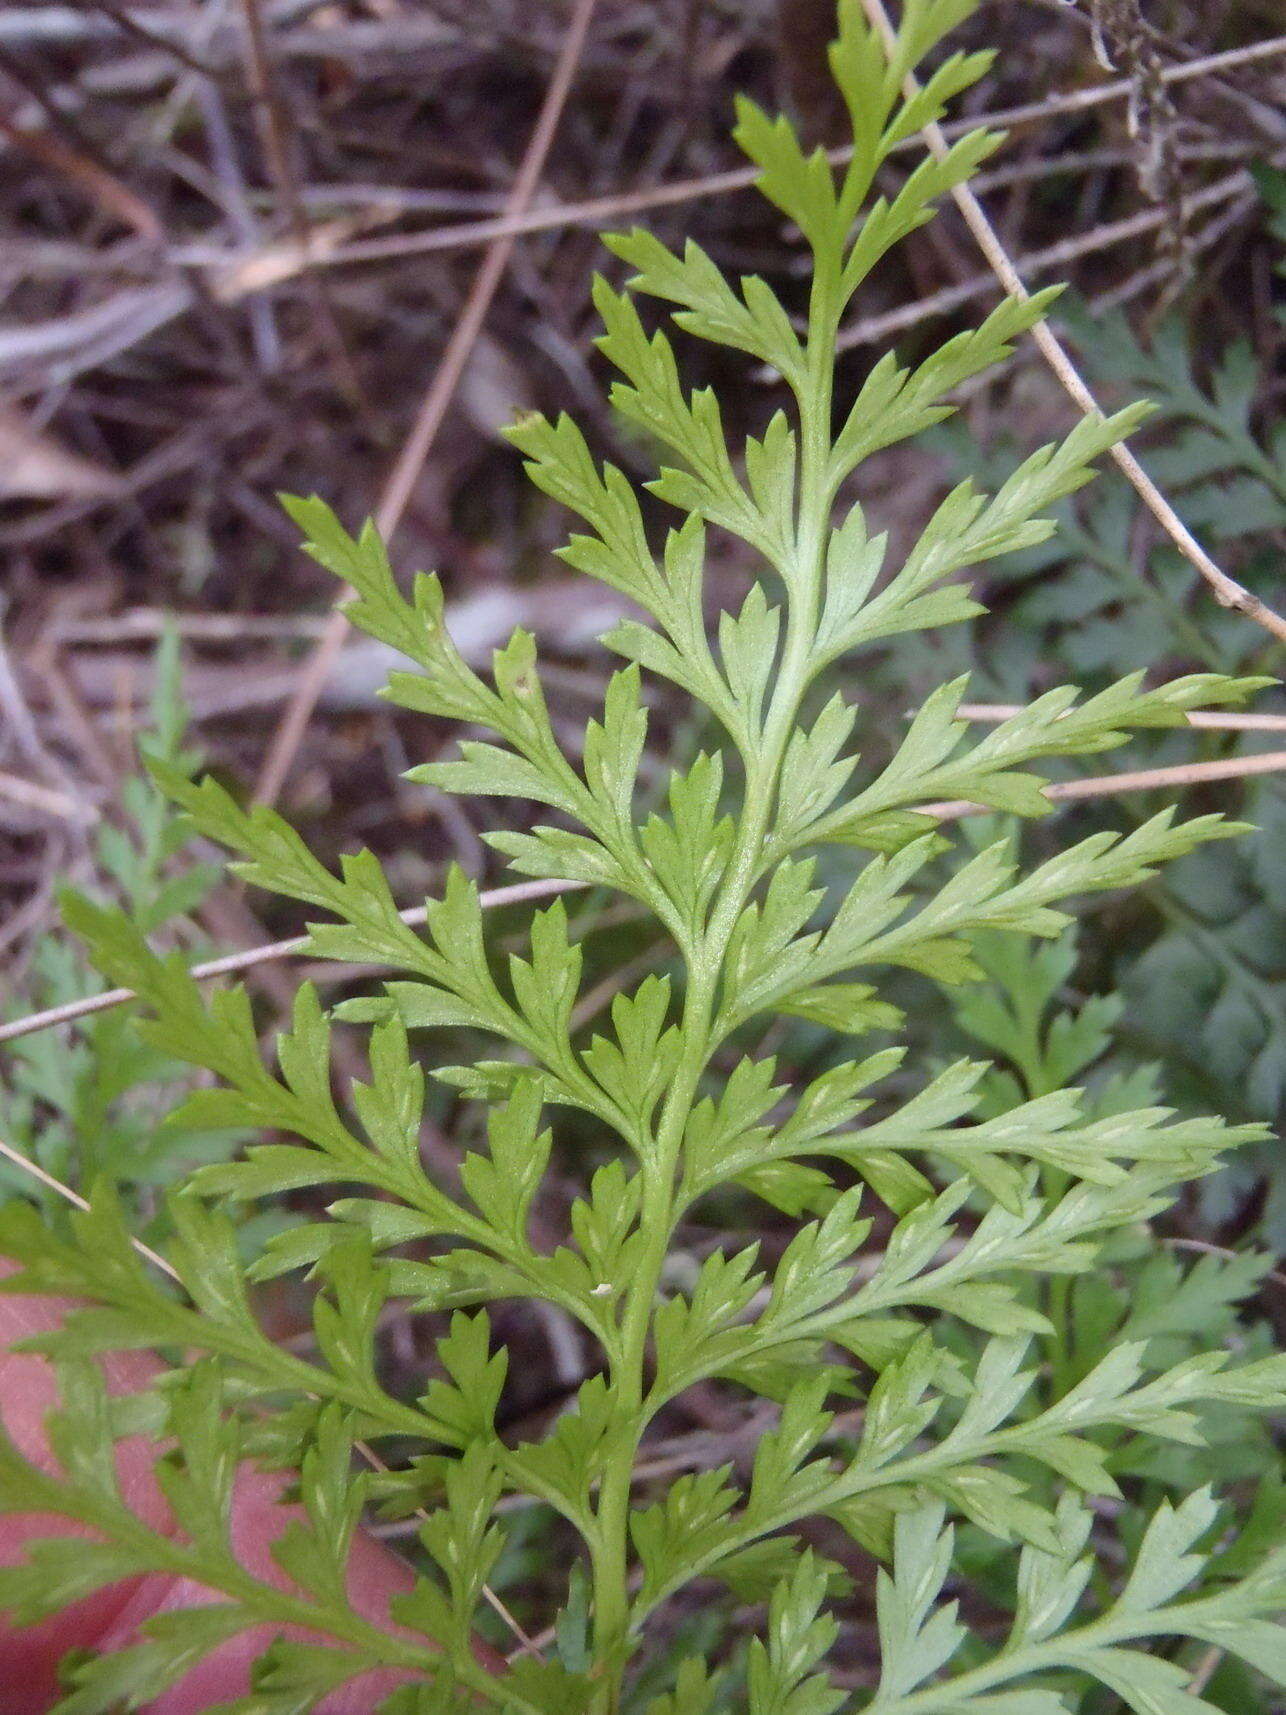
x: 45, y: 800
x: 91, y: 176
x: 1133, y: 286
x: 131, y: 26
x: 1227, y: 591
x: 1159, y: 272
x: 401, y: 479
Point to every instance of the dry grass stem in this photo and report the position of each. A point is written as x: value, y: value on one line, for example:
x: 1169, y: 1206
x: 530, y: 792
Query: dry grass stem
x: 994, y: 712
x: 596, y: 211
x: 231, y: 963
x: 34, y: 1170
x: 45, y: 799
x: 1137, y: 780
x: 1203, y: 1247
x: 872, y: 329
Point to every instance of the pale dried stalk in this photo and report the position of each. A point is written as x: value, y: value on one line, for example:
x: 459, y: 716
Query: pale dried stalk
x: 596, y: 211
x: 1204, y: 1248
x: 1227, y: 591
x: 35, y: 1170
x: 252, y: 956
x: 45, y: 799
x: 1137, y: 780
x: 871, y: 329
x: 994, y: 712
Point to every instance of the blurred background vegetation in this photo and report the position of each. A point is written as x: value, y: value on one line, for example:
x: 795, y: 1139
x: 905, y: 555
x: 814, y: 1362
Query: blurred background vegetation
x: 259, y: 245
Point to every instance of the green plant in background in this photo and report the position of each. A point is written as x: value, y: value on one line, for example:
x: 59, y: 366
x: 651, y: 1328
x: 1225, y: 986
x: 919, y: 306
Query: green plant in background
x: 1202, y: 974
x: 1177, y: 1303
x: 1271, y: 182
x: 1221, y: 951
x: 983, y: 1215
x: 92, y: 1101
x: 1101, y: 592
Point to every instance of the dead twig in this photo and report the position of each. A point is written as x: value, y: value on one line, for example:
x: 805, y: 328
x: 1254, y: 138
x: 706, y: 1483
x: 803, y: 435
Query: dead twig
x: 597, y: 211
x: 231, y: 963
x: 992, y: 712
x: 1157, y: 273
x: 276, y: 145
x: 101, y: 333
x: 45, y: 799
x: 128, y: 25
x: 1205, y: 1670
x: 70, y: 152
x: 1204, y: 1248
x: 98, y: 184
x: 36, y: 1171
x: 225, y: 165
x: 1138, y: 780
x: 1133, y: 286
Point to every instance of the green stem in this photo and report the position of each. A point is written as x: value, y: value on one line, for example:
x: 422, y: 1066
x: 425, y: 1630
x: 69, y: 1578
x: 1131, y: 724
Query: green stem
x: 661, y: 1162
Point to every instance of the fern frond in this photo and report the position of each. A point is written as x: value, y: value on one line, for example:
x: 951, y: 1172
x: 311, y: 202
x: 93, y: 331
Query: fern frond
x: 943, y: 1244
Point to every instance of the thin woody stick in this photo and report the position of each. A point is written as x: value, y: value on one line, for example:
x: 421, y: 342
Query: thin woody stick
x: 594, y: 211
x: 252, y: 956
x: 993, y: 712
x: 34, y: 1169
x: 1140, y: 780
x: 1053, y: 256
